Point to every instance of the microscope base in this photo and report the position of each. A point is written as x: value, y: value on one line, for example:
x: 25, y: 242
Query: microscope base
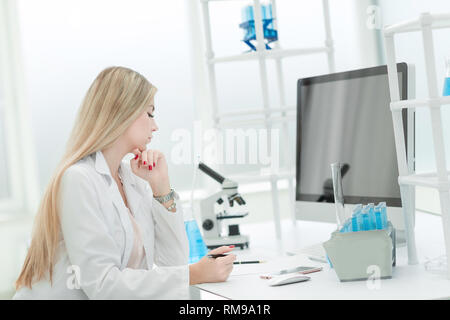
x: 238, y: 241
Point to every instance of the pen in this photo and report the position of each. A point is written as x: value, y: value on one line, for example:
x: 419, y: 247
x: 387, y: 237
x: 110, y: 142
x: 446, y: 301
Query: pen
x: 248, y: 262
x: 235, y: 262
x: 216, y: 255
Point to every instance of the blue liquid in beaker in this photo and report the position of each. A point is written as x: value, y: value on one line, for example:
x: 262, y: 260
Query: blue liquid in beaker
x: 446, y: 91
x: 197, y: 247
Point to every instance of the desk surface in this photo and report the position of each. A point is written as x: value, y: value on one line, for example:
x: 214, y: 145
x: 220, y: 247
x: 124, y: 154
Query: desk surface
x: 408, y: 282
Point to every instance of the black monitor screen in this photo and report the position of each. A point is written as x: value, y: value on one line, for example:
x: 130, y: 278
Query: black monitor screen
x: 345, y: 117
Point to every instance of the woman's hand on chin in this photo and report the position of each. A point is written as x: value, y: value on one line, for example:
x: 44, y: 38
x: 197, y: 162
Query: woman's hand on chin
x: 151, y: 166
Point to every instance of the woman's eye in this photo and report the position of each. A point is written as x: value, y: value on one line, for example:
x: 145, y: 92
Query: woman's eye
x: 150, y: 115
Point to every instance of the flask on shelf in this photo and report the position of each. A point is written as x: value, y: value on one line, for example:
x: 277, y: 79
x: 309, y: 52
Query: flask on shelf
x: 446, y: 91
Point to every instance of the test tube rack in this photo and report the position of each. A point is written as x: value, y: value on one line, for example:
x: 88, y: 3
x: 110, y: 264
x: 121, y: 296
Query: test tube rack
x: 439, y: 180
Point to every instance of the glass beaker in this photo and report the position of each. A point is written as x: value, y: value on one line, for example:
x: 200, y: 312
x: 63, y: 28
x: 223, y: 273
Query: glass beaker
x: 338, y: 194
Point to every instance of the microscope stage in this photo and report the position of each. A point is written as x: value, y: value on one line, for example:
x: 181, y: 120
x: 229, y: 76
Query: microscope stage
x: 238, y: 241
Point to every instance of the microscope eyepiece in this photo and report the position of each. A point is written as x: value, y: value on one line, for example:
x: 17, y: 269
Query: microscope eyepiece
x: 210, y: 172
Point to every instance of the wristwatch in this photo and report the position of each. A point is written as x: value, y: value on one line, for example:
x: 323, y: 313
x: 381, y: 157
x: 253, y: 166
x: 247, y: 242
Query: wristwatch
x: 171, y: 195
x: 172, y: 206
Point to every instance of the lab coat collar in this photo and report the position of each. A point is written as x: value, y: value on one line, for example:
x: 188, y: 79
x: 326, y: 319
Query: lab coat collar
x: 134, y: 199
x: 127, y: 176
x: 102, y: 167
x: 129, y: 179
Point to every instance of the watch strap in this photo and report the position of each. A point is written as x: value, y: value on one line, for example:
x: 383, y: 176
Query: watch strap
x: 172, y: 206
x: 163, y: 199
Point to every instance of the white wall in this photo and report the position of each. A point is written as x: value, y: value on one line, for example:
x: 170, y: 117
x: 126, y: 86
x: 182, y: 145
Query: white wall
x: 67, y: 43
x: 300, y: 25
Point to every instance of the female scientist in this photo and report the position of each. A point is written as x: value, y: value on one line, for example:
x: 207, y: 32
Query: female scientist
x: 103, y: 223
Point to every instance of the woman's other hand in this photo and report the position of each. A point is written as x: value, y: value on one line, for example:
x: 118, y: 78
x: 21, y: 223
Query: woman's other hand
x: 212, y: 269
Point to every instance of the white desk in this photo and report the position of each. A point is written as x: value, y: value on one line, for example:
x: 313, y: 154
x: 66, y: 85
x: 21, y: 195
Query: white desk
x: 408, y: 282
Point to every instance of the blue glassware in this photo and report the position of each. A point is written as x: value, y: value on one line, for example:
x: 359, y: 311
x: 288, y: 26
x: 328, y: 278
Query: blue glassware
x: 365, y: 218
x: 446, y: 91
x: 248, y: 25
x: 355, y: 226
x: 197, y: 247
x: 372, y: 219
x: 384, y: 220
x: 378, y: 219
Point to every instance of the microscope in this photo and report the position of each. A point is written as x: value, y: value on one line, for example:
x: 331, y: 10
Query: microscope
x: 212, y: 221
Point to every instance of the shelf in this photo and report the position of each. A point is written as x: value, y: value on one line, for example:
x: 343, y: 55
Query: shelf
x: 433, y: 103
x: 251, y: 122
x: 221, y: 0
x: 270, y: 54
x: 429, y: 180
x: 425, y: 23
x: 436, y: 21
x: 262, y: 117
x: 261, y: 111
x: 261, y: 176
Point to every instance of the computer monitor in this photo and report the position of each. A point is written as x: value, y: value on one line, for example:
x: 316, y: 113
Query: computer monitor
x: 345, y: 117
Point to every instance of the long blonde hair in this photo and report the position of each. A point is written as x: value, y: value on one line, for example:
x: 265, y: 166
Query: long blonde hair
x: 114, y: 100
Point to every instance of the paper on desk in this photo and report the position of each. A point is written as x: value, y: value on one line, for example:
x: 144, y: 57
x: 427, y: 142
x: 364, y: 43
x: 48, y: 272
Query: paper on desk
x: 273, y: 264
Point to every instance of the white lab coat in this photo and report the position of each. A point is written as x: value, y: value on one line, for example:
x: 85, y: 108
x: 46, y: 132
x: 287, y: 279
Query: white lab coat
x: 97, y: 239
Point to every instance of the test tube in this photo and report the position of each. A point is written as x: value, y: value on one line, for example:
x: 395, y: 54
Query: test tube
x: 247, y: 13
x: 356, y: 223
x: 355, y: 227
x: 384, y: 220
x: 372, y: 222
x: 346, y: 227
x: 446, y: 90
x: 378, y: 220
x: 365, y: 218
x: 357, y: 209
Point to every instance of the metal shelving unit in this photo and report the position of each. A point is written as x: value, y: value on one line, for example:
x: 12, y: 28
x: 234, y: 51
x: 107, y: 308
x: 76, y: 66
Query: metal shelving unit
x: 266, y: 115
x: 439, y: 179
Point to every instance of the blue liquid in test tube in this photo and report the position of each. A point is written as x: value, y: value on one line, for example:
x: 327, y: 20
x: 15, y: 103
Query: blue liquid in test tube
x: 378, y: 220
x: 366, y: 225
x: 446, y: 91
x: 384, y: 215
x: 372, y: 223
x: 197, y: 247
x: 365, y: 218
x: 355, y: 226
x: 356, y: 218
